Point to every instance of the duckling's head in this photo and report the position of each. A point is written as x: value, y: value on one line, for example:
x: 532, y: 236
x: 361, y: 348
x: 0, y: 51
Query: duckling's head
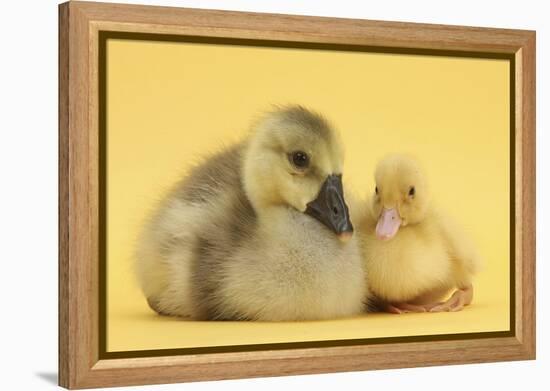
x: 294, y: 159
x: 400, y: 196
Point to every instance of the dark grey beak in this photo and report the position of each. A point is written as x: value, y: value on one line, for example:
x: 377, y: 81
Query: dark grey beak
x: 330, y: 208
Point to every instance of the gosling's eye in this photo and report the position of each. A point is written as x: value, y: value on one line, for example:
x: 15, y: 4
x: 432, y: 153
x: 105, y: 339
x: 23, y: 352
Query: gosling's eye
x: 412, y: 191
x: 299, y: 159
x: 376, y: 190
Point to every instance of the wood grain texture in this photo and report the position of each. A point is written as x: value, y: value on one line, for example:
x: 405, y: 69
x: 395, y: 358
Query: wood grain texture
x: 528, y: 198
x: 77, y: 264
x: 80, y: 23
x: 64, y: 353
x: 171, y: 20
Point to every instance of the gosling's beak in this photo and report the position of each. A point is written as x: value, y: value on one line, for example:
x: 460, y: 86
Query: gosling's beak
x: 330, y: 208
x: 388, y: 224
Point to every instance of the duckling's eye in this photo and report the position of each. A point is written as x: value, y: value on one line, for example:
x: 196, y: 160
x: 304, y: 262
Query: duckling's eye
x: 376, y: 190
x: 412, y: 191
x: 300, y: 159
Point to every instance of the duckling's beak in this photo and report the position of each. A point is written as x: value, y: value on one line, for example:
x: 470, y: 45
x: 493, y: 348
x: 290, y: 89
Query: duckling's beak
x: 388, y: 224
x: 330, y: 208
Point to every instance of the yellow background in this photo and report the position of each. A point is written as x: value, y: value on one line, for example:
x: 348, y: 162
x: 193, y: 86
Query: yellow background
x: 169, y: 103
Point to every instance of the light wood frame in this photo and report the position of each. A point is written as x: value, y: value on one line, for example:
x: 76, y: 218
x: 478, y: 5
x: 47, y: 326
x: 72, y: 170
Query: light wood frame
x: 80, y: 365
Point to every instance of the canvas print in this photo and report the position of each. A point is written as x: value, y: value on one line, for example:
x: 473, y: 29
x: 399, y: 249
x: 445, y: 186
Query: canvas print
x: 260, y: 196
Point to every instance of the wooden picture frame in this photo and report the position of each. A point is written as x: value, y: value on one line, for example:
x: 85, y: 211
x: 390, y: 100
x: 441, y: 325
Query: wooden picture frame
x: 81, y: 364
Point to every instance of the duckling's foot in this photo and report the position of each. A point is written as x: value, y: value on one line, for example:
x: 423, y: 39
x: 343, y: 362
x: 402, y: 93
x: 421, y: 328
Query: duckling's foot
x: 460, y: 299
x: 403, y: 308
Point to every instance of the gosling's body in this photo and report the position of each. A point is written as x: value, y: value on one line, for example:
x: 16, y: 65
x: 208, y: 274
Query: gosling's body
x: 427, y: 258
x: 209, y: 253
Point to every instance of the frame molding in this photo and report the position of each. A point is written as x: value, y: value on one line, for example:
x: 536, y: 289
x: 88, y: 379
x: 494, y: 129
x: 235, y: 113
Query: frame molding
x: 79, y: 25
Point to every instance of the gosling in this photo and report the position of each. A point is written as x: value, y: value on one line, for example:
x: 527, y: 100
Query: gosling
x: 260, y: 231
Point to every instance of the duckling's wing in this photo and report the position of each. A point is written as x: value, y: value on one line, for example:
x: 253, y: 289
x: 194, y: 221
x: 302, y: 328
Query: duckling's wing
x: 462, y: 250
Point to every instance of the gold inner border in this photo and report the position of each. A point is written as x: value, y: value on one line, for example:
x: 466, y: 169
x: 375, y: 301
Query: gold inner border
x: 104, y: 36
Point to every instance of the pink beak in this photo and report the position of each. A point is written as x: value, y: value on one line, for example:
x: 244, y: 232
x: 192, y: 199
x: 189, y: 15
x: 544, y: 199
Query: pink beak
x: 388, y: 224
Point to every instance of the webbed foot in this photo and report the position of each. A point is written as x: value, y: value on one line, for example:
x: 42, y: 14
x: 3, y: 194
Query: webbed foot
x: 458, y: 300
x: 403, y: 308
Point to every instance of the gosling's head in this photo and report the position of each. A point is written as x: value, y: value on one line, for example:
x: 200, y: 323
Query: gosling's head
x: 400, y: 196
x: 294, y: 159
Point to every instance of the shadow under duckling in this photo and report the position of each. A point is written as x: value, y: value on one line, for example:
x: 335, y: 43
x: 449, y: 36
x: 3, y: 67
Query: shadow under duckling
x: 414, y: 254
x: 260, y: 231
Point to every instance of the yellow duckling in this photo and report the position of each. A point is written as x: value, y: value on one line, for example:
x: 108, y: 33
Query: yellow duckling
x: 414, y: 255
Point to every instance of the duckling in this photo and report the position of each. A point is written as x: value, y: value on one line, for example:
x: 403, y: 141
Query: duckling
x: 414, y: 254
x: 259, y: 231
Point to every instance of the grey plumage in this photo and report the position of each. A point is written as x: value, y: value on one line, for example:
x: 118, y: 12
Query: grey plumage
x: 220, y: 175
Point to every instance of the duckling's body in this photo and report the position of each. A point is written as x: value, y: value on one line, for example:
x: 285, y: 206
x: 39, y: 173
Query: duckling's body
x: 428, y: 255
x: 421, y: 264
x: 210, y: 252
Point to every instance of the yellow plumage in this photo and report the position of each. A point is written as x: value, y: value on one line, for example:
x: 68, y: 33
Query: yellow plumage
x: 427, y: 256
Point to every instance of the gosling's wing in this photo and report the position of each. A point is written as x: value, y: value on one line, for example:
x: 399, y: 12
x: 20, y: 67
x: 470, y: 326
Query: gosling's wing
x: 181, y: 246
x: 224, y: 223
x: 204, y: 198
x: 213, y: 176
x: 215, y: 190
